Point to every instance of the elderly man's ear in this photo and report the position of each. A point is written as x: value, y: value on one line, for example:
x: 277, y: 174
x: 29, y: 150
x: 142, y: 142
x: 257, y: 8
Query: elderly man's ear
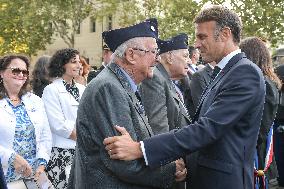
x: 130, y: 56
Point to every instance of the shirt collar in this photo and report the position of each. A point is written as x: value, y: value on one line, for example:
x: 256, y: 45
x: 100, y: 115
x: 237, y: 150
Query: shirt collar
x: 194, y: 66
x: 212, y: 67
x: 226, y: 59
x: 67, y: 85
x: 104, y: 64
x: 132, y: 83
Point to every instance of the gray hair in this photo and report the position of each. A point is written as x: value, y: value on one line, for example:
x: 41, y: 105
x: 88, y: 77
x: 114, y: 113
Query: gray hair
x: 120, y: 50
x: 223, y: 18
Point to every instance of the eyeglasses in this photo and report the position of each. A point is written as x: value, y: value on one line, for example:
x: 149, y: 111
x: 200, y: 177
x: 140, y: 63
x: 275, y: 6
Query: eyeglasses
x: 17, y: 71
x: 155, y: 51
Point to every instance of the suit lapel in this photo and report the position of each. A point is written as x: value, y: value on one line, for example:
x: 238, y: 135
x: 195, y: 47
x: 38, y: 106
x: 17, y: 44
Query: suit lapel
x: 165, y: 74
x: 223, y: 72
x: 208, y: 69
x: 126, y: 85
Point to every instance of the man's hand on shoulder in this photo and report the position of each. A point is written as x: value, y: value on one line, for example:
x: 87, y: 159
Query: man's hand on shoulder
x: 123, y: 147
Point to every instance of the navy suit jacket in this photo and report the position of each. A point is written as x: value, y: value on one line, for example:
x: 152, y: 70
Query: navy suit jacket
x: 224, y: 133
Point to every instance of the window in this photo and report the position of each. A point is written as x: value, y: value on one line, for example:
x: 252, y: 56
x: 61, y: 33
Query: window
x: 93, y: 24
x: 78, y: 30
x: 109, y: 24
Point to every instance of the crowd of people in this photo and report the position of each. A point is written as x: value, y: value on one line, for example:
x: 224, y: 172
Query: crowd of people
x: 157, y: 113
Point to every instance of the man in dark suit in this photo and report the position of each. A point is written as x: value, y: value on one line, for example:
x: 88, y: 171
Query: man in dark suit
x: 110, y: 99
x: 106, y: 59
x: 226, y: 125
x: 197, y: 85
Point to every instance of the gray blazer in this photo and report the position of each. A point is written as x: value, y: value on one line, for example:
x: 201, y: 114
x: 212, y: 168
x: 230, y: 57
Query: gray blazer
x: 163, y: 106
x: 107, y: 101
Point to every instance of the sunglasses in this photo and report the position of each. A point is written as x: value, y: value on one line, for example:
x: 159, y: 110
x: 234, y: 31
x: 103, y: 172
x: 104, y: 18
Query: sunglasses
x: 17, y: 71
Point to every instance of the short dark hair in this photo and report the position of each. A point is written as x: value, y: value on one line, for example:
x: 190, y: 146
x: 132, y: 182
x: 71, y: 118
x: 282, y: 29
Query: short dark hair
x: 191, y: 50
x: 59, y: 59
x: 40, y: 75
x: 223, y: 18
x: 5, y: 61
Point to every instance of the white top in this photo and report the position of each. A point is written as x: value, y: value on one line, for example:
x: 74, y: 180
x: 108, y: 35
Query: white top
x: 35, y: 109
x: 61, y: 108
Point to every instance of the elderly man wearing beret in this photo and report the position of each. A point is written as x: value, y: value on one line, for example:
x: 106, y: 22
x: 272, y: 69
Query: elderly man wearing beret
x: 162, y: 99
x: 112, y: 99
x: 227, y: 120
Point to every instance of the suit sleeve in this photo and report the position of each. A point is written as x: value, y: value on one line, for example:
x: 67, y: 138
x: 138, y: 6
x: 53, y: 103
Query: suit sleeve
x: 269, y: 111
x: 233, y: 99
x: 154, y: 101
x: 111, y: 106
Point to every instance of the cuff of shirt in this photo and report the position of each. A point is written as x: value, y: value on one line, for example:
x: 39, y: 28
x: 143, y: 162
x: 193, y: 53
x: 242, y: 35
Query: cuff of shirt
x: 144, y: 152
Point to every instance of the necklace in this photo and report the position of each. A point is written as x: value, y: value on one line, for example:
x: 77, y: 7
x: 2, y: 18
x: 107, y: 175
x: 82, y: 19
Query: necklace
x: 14, y: 99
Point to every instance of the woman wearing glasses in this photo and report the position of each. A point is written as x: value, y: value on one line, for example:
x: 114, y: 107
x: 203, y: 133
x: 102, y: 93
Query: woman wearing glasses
x: 25, y: 141
x: 61, y: 100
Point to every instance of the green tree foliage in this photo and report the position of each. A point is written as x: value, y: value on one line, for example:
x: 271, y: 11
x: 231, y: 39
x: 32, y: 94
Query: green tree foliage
x: 173, y: 16
x: 263, y: 18
x: 28, y: 25
x: 66, y: 17
x: 24, y: 28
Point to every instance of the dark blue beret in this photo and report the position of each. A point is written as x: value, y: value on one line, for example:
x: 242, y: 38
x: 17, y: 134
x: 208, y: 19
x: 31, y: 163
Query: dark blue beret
x: 177, y: 42
x: 147, y: 28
